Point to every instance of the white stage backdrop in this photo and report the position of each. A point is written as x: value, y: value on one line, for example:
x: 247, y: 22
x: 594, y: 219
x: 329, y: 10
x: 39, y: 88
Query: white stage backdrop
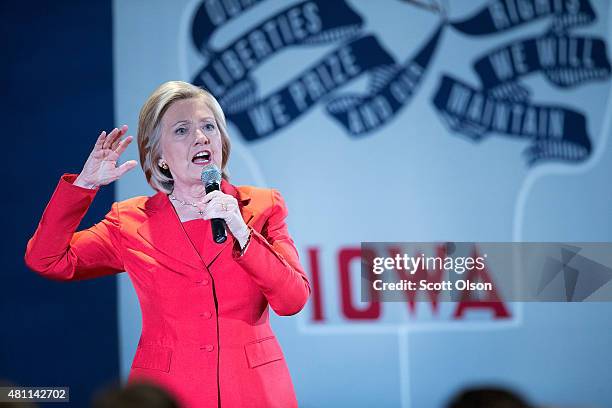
x: 386, y: 121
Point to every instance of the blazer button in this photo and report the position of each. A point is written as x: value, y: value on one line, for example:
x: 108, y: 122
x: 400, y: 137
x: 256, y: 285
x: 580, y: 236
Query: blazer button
x: 205, y: 282
x: 206, y: 314
x: 208, y: 347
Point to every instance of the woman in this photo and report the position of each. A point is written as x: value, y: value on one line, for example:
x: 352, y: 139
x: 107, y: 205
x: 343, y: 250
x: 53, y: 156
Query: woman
x: 205, y: 336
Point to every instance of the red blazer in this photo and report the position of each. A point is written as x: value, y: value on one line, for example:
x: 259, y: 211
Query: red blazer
x: 205, y: 335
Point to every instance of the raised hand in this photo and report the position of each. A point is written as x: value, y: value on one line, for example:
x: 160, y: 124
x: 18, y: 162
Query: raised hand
x: 101, y: 165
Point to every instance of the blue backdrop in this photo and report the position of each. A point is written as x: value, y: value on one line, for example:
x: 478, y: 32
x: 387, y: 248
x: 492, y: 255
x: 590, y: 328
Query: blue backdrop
x: 57, y: 80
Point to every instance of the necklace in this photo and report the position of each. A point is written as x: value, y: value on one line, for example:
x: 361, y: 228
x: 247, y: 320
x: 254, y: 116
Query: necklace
x: 186, y: 203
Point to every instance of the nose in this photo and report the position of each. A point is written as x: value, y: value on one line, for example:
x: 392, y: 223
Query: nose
x: 201, y: 138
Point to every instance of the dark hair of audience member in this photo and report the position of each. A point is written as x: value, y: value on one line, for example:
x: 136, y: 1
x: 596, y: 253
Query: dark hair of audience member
x: 135, y: 395
x: 488, y: 397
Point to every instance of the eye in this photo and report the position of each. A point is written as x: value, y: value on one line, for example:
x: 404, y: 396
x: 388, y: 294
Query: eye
x: 209, y: 127
x: 181, y: 131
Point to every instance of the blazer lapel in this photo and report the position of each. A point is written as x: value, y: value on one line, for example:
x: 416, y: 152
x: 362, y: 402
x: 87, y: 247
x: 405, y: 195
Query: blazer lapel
x: 163, y: 230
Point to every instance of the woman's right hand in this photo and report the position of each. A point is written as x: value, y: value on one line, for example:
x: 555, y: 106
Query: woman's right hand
x: 101, y: 165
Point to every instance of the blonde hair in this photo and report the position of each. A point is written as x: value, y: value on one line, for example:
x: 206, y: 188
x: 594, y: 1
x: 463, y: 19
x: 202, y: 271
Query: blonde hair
x: 149, y: 130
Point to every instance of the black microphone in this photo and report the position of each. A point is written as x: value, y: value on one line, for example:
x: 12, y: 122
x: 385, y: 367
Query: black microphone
x: 211, y: 177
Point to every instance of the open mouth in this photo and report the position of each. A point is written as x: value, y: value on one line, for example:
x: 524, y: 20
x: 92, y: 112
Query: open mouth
x: 202, y: 158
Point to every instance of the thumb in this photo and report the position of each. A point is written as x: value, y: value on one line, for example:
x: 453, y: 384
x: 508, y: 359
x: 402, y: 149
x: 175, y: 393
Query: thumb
x: 125, y: 167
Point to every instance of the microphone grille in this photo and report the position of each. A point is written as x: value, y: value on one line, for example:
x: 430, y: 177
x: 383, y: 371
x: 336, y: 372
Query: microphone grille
x: 210, y: 175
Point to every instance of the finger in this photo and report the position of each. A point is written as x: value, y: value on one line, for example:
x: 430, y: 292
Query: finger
x: 213, y: 195
x: 116, y: 137
x: 117, y: 140
x: 123, y: 145
x: 209, y: 214
x: 100, y: 140
x: 115, y: 143
x: 221, y: 208
x: 226, y: 202
x: 109, y: 139
x: 125, y: 167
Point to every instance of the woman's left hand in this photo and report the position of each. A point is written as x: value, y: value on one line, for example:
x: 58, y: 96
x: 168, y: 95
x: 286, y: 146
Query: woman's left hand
x: 217, y: 204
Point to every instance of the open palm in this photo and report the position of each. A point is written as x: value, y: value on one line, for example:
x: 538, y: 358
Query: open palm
x: 101, y: 165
